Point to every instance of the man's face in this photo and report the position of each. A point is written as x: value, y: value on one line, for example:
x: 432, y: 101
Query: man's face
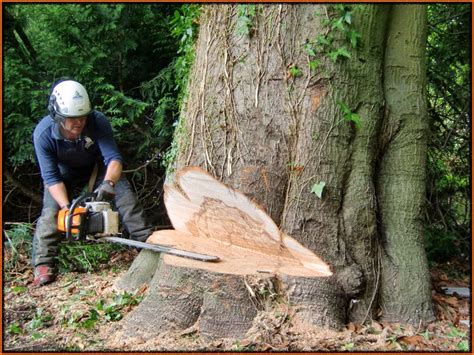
x: 74, y: 126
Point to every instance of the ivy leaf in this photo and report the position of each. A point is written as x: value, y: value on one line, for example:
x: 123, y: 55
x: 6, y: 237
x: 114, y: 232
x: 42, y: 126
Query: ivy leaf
x: 343, y: 52
x: 36, y: 336
x: 243, y: 25
x: 344, y: 108
x: 250, y: 9
x: 353, y: 37
x: 340, y: 52
x: 333, y: 56
x: 350, y: 116
x: 309, y: 49
x: 15, y: 328
x: 18, y: 289
x: 322, y: 40
x: 354, y: 117
x: 348, y: 17
x: 295, y: 71
x: 318, y: 188
x: 340, y: 8
x: 313, y: 64
x: 338, y: 24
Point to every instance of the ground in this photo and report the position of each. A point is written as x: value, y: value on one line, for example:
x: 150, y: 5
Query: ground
x: 82, y: 312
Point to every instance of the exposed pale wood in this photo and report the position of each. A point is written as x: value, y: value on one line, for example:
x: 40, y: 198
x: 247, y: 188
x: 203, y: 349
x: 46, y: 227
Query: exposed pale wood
x: 210, y: 217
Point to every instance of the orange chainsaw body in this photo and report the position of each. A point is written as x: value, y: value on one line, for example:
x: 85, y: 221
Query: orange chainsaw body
x: 79, y: 213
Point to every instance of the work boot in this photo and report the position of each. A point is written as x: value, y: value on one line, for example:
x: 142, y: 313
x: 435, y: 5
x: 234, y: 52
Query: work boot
x: 44, y: 274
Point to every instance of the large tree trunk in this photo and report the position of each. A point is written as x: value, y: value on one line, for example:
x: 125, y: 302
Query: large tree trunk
x: 261, y: 120
x: 405, y: 288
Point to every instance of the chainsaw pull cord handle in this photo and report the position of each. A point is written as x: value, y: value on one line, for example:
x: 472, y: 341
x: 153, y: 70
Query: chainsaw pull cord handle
x: 74, y: 204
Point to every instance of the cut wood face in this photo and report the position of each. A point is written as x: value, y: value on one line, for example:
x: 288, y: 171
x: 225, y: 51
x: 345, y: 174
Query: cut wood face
x: 212, y: 218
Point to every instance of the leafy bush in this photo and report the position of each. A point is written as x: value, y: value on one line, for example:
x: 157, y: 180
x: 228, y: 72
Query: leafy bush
x: 17, y: 242
x: 441, y: 245
x: 449, y: 96
x: 103, y: 311
x: 85, y: 256
x: 124, y: 54
x: 73, y: 256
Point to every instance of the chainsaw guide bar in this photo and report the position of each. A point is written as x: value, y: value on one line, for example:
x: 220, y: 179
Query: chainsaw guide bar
x: 161, y: 249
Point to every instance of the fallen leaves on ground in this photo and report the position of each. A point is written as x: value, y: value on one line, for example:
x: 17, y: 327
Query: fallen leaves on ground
x: 62, y: 317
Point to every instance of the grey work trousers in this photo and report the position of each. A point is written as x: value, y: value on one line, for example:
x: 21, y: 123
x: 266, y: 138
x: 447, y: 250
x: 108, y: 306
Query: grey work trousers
x: 47, y: 238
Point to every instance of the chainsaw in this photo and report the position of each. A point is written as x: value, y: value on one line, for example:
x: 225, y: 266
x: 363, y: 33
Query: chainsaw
x: 88, y: 219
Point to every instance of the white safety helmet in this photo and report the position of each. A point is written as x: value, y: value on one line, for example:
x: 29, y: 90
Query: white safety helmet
x: 69, y: 99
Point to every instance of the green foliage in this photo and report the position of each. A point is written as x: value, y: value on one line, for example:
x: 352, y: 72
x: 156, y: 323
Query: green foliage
x: 85, y: 256
x: 184, y: 27
x: 134, y: 60
x: 112, y: 310
x: 40, y: 320
x: 442, y: 245
x: 295, y: 72
x: 36, y: 336
x: 463, y: 346
x: 17, y: 244
x: 245, y: 19
x: 18, y: 289
x: 449, y: 90
x: 347, y: 347
x: 91, y: 319
x: 314, y: 64
x: 349, y: 116
x: 14, y: 328
x: 62, y: 36
x: 21, y: 101
x: 339, y: 52
x: 353, y: 37
x: 455, y: 332
x: 335, y: 42
x: 102, y: 312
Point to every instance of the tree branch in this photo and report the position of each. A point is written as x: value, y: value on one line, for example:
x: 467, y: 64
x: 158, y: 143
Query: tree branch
x: 23, y: 189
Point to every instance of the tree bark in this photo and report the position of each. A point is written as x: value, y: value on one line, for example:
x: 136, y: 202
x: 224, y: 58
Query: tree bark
x: 402, y: 174
x: 258, y: 118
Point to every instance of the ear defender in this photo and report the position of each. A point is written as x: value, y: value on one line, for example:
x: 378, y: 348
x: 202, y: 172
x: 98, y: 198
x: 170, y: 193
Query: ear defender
x: 51, y: 104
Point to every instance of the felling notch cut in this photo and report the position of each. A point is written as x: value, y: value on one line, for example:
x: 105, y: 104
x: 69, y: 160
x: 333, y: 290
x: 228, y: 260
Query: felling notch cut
x: 210, y: 217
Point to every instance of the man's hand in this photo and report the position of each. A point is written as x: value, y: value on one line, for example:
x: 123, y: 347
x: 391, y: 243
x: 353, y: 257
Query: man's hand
x: 105, y: 191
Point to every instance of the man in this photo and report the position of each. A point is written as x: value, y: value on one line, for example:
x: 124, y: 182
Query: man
x: 68, y: 143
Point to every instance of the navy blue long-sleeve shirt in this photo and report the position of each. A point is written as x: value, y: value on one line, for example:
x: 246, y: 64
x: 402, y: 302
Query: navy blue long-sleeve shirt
x: 62, y: 160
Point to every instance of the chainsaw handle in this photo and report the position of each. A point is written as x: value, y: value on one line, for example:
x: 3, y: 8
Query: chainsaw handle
x: 70, y: 216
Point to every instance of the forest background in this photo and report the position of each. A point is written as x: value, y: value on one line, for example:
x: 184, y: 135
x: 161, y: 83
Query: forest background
x: 134, y: 60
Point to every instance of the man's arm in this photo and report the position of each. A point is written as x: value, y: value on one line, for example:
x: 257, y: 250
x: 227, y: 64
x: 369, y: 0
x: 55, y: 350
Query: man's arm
x: 114, y: 171
x: 59, y: 193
